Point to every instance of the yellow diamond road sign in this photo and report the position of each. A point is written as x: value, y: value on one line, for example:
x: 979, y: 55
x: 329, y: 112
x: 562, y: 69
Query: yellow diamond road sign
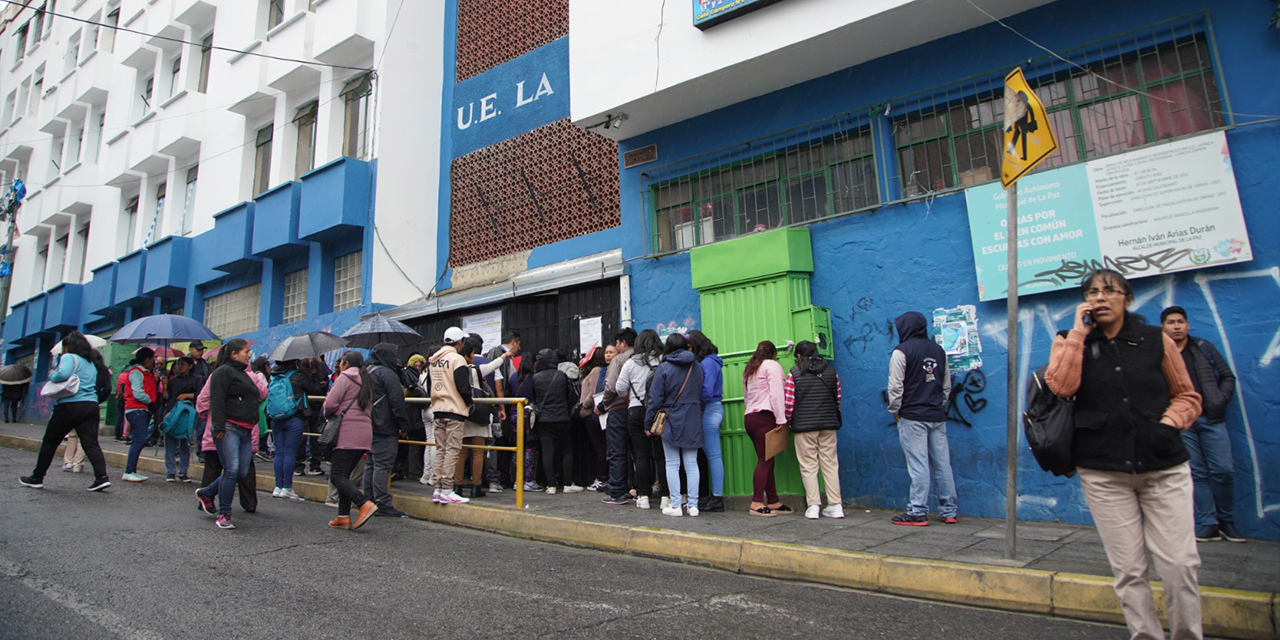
x: 1028, y: 136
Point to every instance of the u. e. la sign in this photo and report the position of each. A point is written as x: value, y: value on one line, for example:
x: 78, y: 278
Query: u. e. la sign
x: 510, y: 99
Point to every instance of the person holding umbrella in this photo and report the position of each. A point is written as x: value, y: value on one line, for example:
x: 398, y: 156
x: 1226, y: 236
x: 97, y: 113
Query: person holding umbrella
x: 13, y: 396
x: 75, y: 412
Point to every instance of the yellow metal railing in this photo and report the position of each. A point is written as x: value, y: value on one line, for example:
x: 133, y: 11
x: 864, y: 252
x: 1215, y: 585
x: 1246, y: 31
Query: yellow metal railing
x: 518, y: 449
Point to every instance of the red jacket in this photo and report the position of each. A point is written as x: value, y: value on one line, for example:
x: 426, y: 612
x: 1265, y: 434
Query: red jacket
x: 149, y: 385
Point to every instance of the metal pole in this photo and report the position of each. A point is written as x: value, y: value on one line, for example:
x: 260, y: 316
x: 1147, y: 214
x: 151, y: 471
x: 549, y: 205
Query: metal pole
x: 1011, y: 429
x: 520, y: 453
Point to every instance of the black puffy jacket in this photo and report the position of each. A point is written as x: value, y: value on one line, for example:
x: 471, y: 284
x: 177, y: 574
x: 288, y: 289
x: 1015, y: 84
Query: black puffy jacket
x: 552, y: 393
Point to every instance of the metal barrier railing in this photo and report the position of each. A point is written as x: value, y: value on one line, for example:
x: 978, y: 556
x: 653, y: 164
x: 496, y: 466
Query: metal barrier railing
x: 518, y: 449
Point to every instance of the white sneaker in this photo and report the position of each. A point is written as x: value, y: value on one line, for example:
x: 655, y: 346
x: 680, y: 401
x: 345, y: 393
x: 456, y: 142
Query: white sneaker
x: 596, y: 486
x: 833, y: 511
x: 66, y: 466
x: 573, y: 488
x: 692, y: 510
x: 495, y: 487
x: 134, y: 477
x: 277, y: 492
x: 425, y: 480
x: 77, y: 469
x: 551, y: 491
x: 451, y: 497
x: 812, y: 512
x: 674, y: 512
x: 288, y: 493
x: 666, y: 503
x: 642, y: 502
x: 435, y: 497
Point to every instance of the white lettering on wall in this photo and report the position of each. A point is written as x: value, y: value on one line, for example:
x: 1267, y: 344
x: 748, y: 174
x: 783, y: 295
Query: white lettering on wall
x: 489, y: 108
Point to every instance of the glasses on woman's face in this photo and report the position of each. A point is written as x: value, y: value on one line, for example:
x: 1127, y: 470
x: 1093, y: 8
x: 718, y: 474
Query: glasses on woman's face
x: 1110, y: 292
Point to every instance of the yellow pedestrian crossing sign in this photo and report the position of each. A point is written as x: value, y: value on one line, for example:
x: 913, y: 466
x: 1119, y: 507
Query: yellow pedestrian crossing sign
x: 1028, y: 136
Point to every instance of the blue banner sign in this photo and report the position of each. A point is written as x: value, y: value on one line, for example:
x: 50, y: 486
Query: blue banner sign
x: 514, y: 97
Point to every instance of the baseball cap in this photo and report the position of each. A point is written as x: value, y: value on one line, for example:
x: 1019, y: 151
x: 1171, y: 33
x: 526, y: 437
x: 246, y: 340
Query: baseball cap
x: 454, y: 334
x: 196, y: 344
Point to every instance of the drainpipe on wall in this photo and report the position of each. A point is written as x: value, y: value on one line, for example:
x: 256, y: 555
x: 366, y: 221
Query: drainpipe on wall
x: 624, y: 304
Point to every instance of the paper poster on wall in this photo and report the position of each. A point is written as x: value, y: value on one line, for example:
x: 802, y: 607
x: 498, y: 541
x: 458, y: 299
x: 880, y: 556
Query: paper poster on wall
x: 957, y: 331
x: 1171, y: 207
x: 589, y: 330
x: 488, y: 325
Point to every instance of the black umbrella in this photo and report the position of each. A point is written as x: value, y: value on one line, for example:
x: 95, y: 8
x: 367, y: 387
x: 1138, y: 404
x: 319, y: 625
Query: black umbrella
x: 15, y: 374
x: 377, y: 329
x: 308, y: 345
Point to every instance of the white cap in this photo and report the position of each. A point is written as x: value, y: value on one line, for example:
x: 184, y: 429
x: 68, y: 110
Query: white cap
x: 454, y: 334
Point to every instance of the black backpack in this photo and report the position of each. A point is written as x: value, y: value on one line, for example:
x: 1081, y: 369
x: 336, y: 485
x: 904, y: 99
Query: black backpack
x: 103, y: 385
x: 1049, y: 423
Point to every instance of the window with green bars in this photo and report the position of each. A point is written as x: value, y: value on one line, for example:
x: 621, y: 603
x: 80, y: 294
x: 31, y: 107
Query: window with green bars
x: 1151, y: 85
x: 800, y: 182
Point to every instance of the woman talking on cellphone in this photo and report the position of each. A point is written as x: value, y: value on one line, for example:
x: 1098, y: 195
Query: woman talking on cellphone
x: 1133, y: 398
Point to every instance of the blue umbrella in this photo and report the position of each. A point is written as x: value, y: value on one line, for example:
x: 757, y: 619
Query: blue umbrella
x: 163, y: 328
x: 376, y: 329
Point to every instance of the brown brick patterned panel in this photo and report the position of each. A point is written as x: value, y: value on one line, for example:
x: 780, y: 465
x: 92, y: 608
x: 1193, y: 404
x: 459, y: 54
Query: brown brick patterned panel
x: 550, y: 184
x: 491, y: 33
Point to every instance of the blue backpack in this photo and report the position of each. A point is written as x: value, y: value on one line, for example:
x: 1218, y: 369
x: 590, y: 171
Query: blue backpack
x: 281, y: 402
x: 180, y: 421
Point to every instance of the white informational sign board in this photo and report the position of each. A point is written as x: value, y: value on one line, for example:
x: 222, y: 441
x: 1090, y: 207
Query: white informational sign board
x: 1165, y: 208
x: 488, y: 325
x: 589, y: 330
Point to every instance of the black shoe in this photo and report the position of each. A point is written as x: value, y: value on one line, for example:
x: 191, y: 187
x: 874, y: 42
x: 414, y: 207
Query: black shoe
x: 315, y: 470
x: 299, y: 471
x: 1230, y: 533
x: 100, y: 484
x: 910, y: 520
x: 1208, y: 535
x: 397, y: 476
x: 389, y: 512
x: 477, y: 492
x: 32, y: 481
x: 715, y: 504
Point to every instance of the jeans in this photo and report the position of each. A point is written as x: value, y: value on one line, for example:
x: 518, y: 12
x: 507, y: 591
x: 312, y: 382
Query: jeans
x: 690, y: 458
x: 286, y: 434
x: 235, y: 451
x: 925, y: 446
x: 340, y: 466
x: 712, y: 416
x: 248, y: 485
x: 179, y: 450
x: 11, y: 409
x: 619, y: 447
x: 1137, y: 513
x: 139, y: 430
x: 1212, y: 472
x: 81, y: 417
x: 377, y: 473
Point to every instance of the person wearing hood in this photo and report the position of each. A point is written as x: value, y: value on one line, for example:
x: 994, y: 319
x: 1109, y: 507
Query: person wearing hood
x: 712, y: 416
x: 450, y: 403
x: 919, y: 385
x: 675, y: 390
x: 286, y: 431
x: 552, y: 400
x: 390, y: 422
x: 633, y: 382
x: 813, y: 397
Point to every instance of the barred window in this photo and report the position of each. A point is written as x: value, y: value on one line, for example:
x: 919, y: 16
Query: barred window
x: 234, y: 312
x: 802, y: 181
x: 347, y: 281
x: 1156, y: 84
x: 295, y: 296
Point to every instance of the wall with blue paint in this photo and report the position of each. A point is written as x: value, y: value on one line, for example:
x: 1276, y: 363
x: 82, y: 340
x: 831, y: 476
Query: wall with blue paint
x: 917, y: 256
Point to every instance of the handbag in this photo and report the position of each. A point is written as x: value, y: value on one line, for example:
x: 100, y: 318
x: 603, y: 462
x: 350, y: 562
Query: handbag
x: 659, y: 424
x: 329, y: 433
x: 64, y: 389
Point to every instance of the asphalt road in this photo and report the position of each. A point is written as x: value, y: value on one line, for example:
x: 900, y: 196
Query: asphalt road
x: 139, y: 562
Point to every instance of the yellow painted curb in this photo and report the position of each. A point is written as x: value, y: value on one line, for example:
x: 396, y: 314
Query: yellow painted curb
x: 1239, y: 614
x: 1003, y: 588
x: 715, y: 551
x: 798, y: 562
x: 1086, y: 597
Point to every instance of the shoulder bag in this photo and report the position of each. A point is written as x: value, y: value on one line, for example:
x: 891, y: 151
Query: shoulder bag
x: 660, y: 417
x: 64, y: 389
x: 329, y: 433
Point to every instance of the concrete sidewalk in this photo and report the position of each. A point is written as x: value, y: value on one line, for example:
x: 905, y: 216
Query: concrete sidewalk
x: 1060, y: 569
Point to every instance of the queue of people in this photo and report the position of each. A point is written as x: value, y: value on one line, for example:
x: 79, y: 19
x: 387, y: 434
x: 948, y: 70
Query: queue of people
x: 1149, y: 440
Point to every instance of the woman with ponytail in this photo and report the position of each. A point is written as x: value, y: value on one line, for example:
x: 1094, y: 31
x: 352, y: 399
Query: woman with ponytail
x: 765, y: 407
x: 351, y: 398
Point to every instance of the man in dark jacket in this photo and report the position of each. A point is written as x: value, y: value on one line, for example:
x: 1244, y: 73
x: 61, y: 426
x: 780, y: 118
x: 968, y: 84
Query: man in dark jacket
x: 918, y: 388
x: 1207, y: 441
x: 390, y: 422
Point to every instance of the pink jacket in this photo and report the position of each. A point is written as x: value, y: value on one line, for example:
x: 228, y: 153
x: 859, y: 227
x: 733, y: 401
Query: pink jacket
x: 764, y: 391
x: 356, y: 433
x: 202, y: 411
